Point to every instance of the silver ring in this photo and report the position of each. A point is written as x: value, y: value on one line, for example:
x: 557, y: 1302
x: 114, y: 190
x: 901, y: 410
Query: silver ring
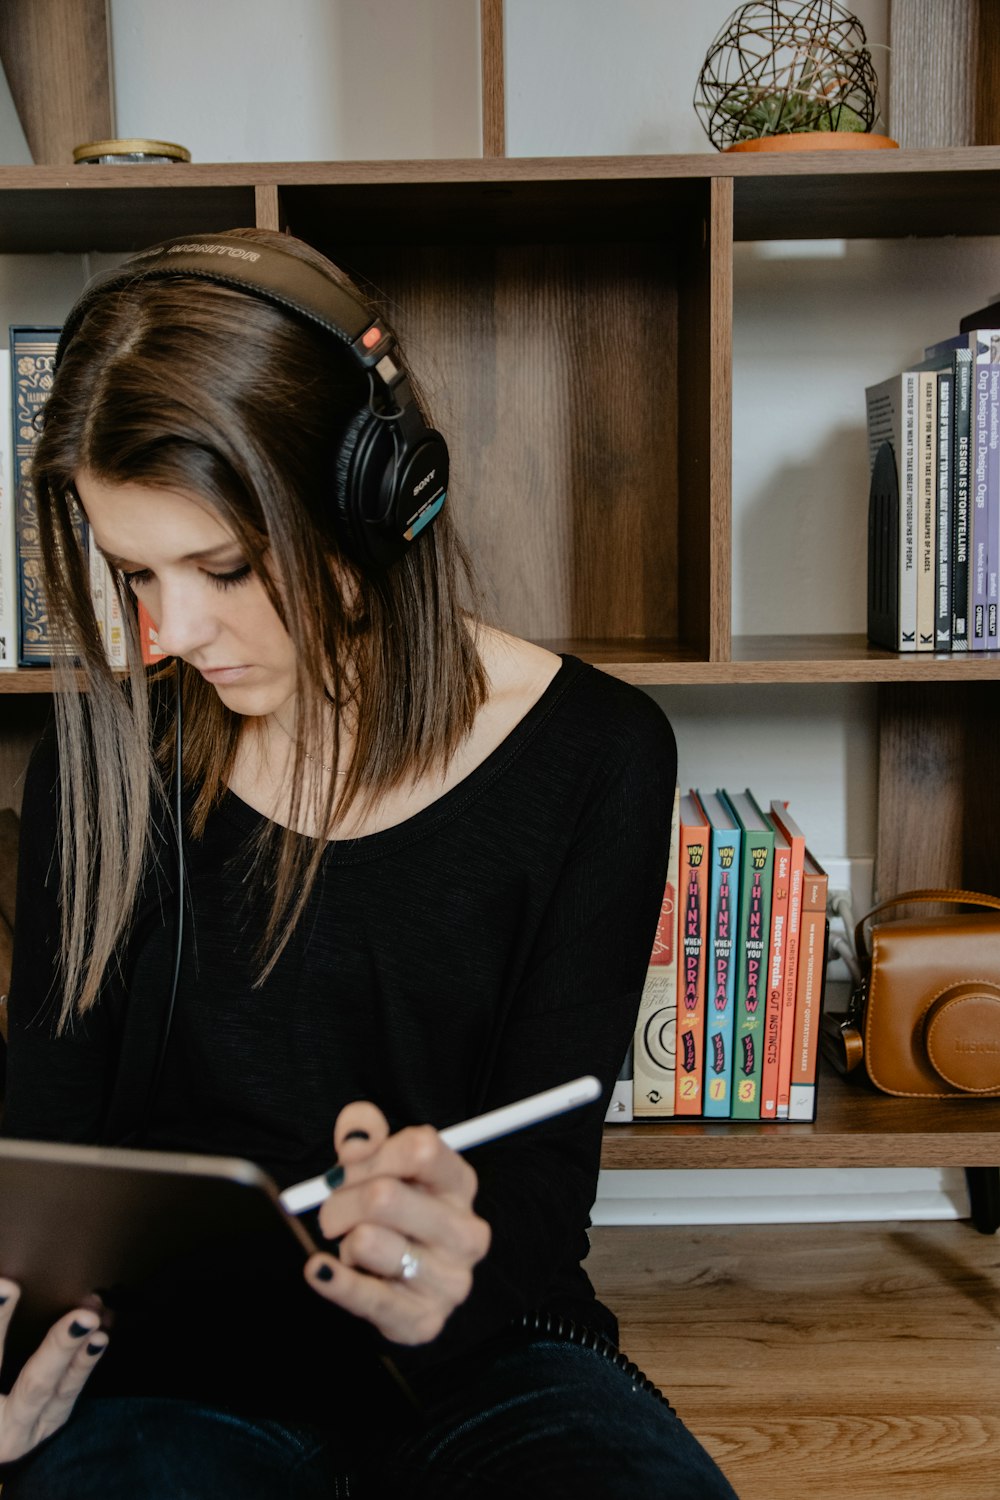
x: 409, y: 1265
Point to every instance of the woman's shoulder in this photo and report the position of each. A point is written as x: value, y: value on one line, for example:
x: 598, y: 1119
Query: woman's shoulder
x: 592, y: 714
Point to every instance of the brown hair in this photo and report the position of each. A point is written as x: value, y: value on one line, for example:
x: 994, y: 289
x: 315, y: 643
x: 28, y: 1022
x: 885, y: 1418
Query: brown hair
x: 196, y: 387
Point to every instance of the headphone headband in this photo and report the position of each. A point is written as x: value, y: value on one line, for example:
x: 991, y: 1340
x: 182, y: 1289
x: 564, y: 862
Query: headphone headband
x: 398, y: 467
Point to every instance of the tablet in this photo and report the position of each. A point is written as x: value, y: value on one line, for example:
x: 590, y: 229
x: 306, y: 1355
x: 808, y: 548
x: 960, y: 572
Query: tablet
x: 75, y: 1220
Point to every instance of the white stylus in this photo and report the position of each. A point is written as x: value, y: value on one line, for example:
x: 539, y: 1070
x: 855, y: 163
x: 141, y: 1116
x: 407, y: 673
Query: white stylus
x: 315, y: 1190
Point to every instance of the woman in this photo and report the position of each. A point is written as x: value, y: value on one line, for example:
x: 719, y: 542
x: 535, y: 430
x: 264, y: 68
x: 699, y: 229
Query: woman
x: 413, y: 873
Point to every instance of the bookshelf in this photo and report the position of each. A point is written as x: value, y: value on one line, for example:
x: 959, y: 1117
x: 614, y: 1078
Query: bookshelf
x: 571, y: 320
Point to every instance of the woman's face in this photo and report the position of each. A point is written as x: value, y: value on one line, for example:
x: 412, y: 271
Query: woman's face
x: 208, y: 606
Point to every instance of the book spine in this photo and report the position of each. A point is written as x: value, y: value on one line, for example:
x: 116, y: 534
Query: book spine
x: 962, y: 399
x: 619, y: 1111
x: 926, y: 506
x: 32, y: 352
x: 116, y: 646
x: 721, y: 978
x: 945, y: 490
x: 797, y: 845
x: 780, y: 891
x: 693, y: 880
x: 993, y: 511
x: 808, y: 998
x: 978, y: 518
x: 8, y: 534
x: 752, y: 974
x: 908, y: 517
x: 654, y: 1043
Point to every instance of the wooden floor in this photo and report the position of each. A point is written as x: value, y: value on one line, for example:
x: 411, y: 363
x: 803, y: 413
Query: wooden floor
x: 817, y: 1362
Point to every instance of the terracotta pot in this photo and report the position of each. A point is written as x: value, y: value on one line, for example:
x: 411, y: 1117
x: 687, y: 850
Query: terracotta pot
x: 818, y: 140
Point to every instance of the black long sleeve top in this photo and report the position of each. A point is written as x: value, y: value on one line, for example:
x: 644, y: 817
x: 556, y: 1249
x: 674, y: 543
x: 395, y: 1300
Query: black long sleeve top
x: 491, y: 946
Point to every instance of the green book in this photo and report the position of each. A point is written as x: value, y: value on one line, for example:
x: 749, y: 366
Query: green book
x: 753, y: 938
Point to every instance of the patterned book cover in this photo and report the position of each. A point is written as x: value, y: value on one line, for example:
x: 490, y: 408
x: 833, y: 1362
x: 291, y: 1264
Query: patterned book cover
x: 692, y: 882
x: 654, y: 1047
x: 8, y: 536
x: 32, y: 353
x: 720, y: 989
x: 753, y: 940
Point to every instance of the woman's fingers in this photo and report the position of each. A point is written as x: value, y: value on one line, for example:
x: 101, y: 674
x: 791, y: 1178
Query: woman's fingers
x: 44, y: 1392
x: 391, y: 1203
x: 360, y: 1129
x: 407, y: 1312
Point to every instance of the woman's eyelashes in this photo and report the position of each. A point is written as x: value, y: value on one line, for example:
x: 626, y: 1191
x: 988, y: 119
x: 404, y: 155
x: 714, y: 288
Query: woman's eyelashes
x: 138, y: 577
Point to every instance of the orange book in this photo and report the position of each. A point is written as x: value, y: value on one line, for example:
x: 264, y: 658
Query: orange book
x: 692, y: 884
x: 780, y: 893
x: 147, y: 637
x: 809, y: 992
x: 786, y: 1035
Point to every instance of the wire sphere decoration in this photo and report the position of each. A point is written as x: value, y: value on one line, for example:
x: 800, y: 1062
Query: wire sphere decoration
x: 777, y: 68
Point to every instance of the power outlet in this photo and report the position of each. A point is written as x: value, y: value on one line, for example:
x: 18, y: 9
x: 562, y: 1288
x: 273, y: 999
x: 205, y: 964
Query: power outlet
x: 854, y: 877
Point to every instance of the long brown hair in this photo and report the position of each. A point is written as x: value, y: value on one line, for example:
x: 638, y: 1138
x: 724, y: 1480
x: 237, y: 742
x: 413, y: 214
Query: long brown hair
x: 183, y: 385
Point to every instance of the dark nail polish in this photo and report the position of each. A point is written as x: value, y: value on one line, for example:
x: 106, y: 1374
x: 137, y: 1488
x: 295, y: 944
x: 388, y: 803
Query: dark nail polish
x: 77, y: 1330
x: 334, y: 1178
x: 324, y: 1272
x: 96, y: 1348
x: 3, y: 1298
x: 357, y: 1135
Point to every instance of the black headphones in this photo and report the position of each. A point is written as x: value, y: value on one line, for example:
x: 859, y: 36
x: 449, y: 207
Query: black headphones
x: 397, y: 466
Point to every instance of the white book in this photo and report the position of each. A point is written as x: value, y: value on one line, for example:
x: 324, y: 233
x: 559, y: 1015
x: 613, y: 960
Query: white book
x: 8, y: 538
x: 925, y: 502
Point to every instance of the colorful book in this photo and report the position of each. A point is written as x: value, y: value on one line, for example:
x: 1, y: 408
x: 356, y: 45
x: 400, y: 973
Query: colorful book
x: 720, y: 986
x: 945, y: 479
x: 925, y: 500
x: 8, y: 536
x: 789, y: 831
x: 953, y: 533
x: 148, y: 642
x: 654, y: 1044
x: 781, y: 885
x: 892, y: 563
x: 32, y: 353
x: 693, y: 883
x: 809, y: 985
x: 753, y: 937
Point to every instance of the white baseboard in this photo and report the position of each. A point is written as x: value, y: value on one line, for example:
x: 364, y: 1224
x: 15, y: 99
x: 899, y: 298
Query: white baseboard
x: 772, y: 1196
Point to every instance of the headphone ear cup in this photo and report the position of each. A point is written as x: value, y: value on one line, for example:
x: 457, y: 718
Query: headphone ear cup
x: 393, y: 484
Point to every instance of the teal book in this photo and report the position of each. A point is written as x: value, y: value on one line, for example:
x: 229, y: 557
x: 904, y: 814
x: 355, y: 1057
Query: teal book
x: 32, y: 356
x: 720, y: 989
x: 753, y: 944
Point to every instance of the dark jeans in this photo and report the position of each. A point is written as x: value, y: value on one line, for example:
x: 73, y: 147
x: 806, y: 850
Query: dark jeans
x: 545, y: 1418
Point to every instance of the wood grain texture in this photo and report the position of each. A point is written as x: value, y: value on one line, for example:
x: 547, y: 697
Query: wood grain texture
x: 268, y: 213
x: 821, y: 1361
x: 55, y: 54
x: 933, y: 73
x: 491, y: 38
x: 986, y: 71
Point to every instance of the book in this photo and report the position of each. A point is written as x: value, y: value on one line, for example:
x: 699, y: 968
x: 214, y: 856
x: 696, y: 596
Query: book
x: 753, y: 936
x: 654, y: 1044
x: 8, y: 535
x: 619, y: 1111
x: 925, y: 505
x: 148, y: 642
x: 809, y: 986
x: 32, y: 356
x: 776, y: 964
x: 984, y: 459
x: 953, y: 534
x: 810, y: 972
x: 792, y: 835
x: 720, y: 981
x: 692, y: 882
x: 891, y: 408
x: 945, y: 490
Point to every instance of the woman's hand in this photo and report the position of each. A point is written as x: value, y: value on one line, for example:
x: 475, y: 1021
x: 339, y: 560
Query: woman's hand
x: 407, y: 1236
x: 44, y: 1392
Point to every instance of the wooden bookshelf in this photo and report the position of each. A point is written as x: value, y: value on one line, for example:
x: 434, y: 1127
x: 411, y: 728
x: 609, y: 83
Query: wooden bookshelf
x: 571, y: 321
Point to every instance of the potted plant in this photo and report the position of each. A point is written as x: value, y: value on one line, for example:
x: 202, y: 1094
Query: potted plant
x: 790, y: 76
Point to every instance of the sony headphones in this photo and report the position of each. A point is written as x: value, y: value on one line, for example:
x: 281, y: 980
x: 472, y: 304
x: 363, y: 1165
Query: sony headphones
x: 397, y: 466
